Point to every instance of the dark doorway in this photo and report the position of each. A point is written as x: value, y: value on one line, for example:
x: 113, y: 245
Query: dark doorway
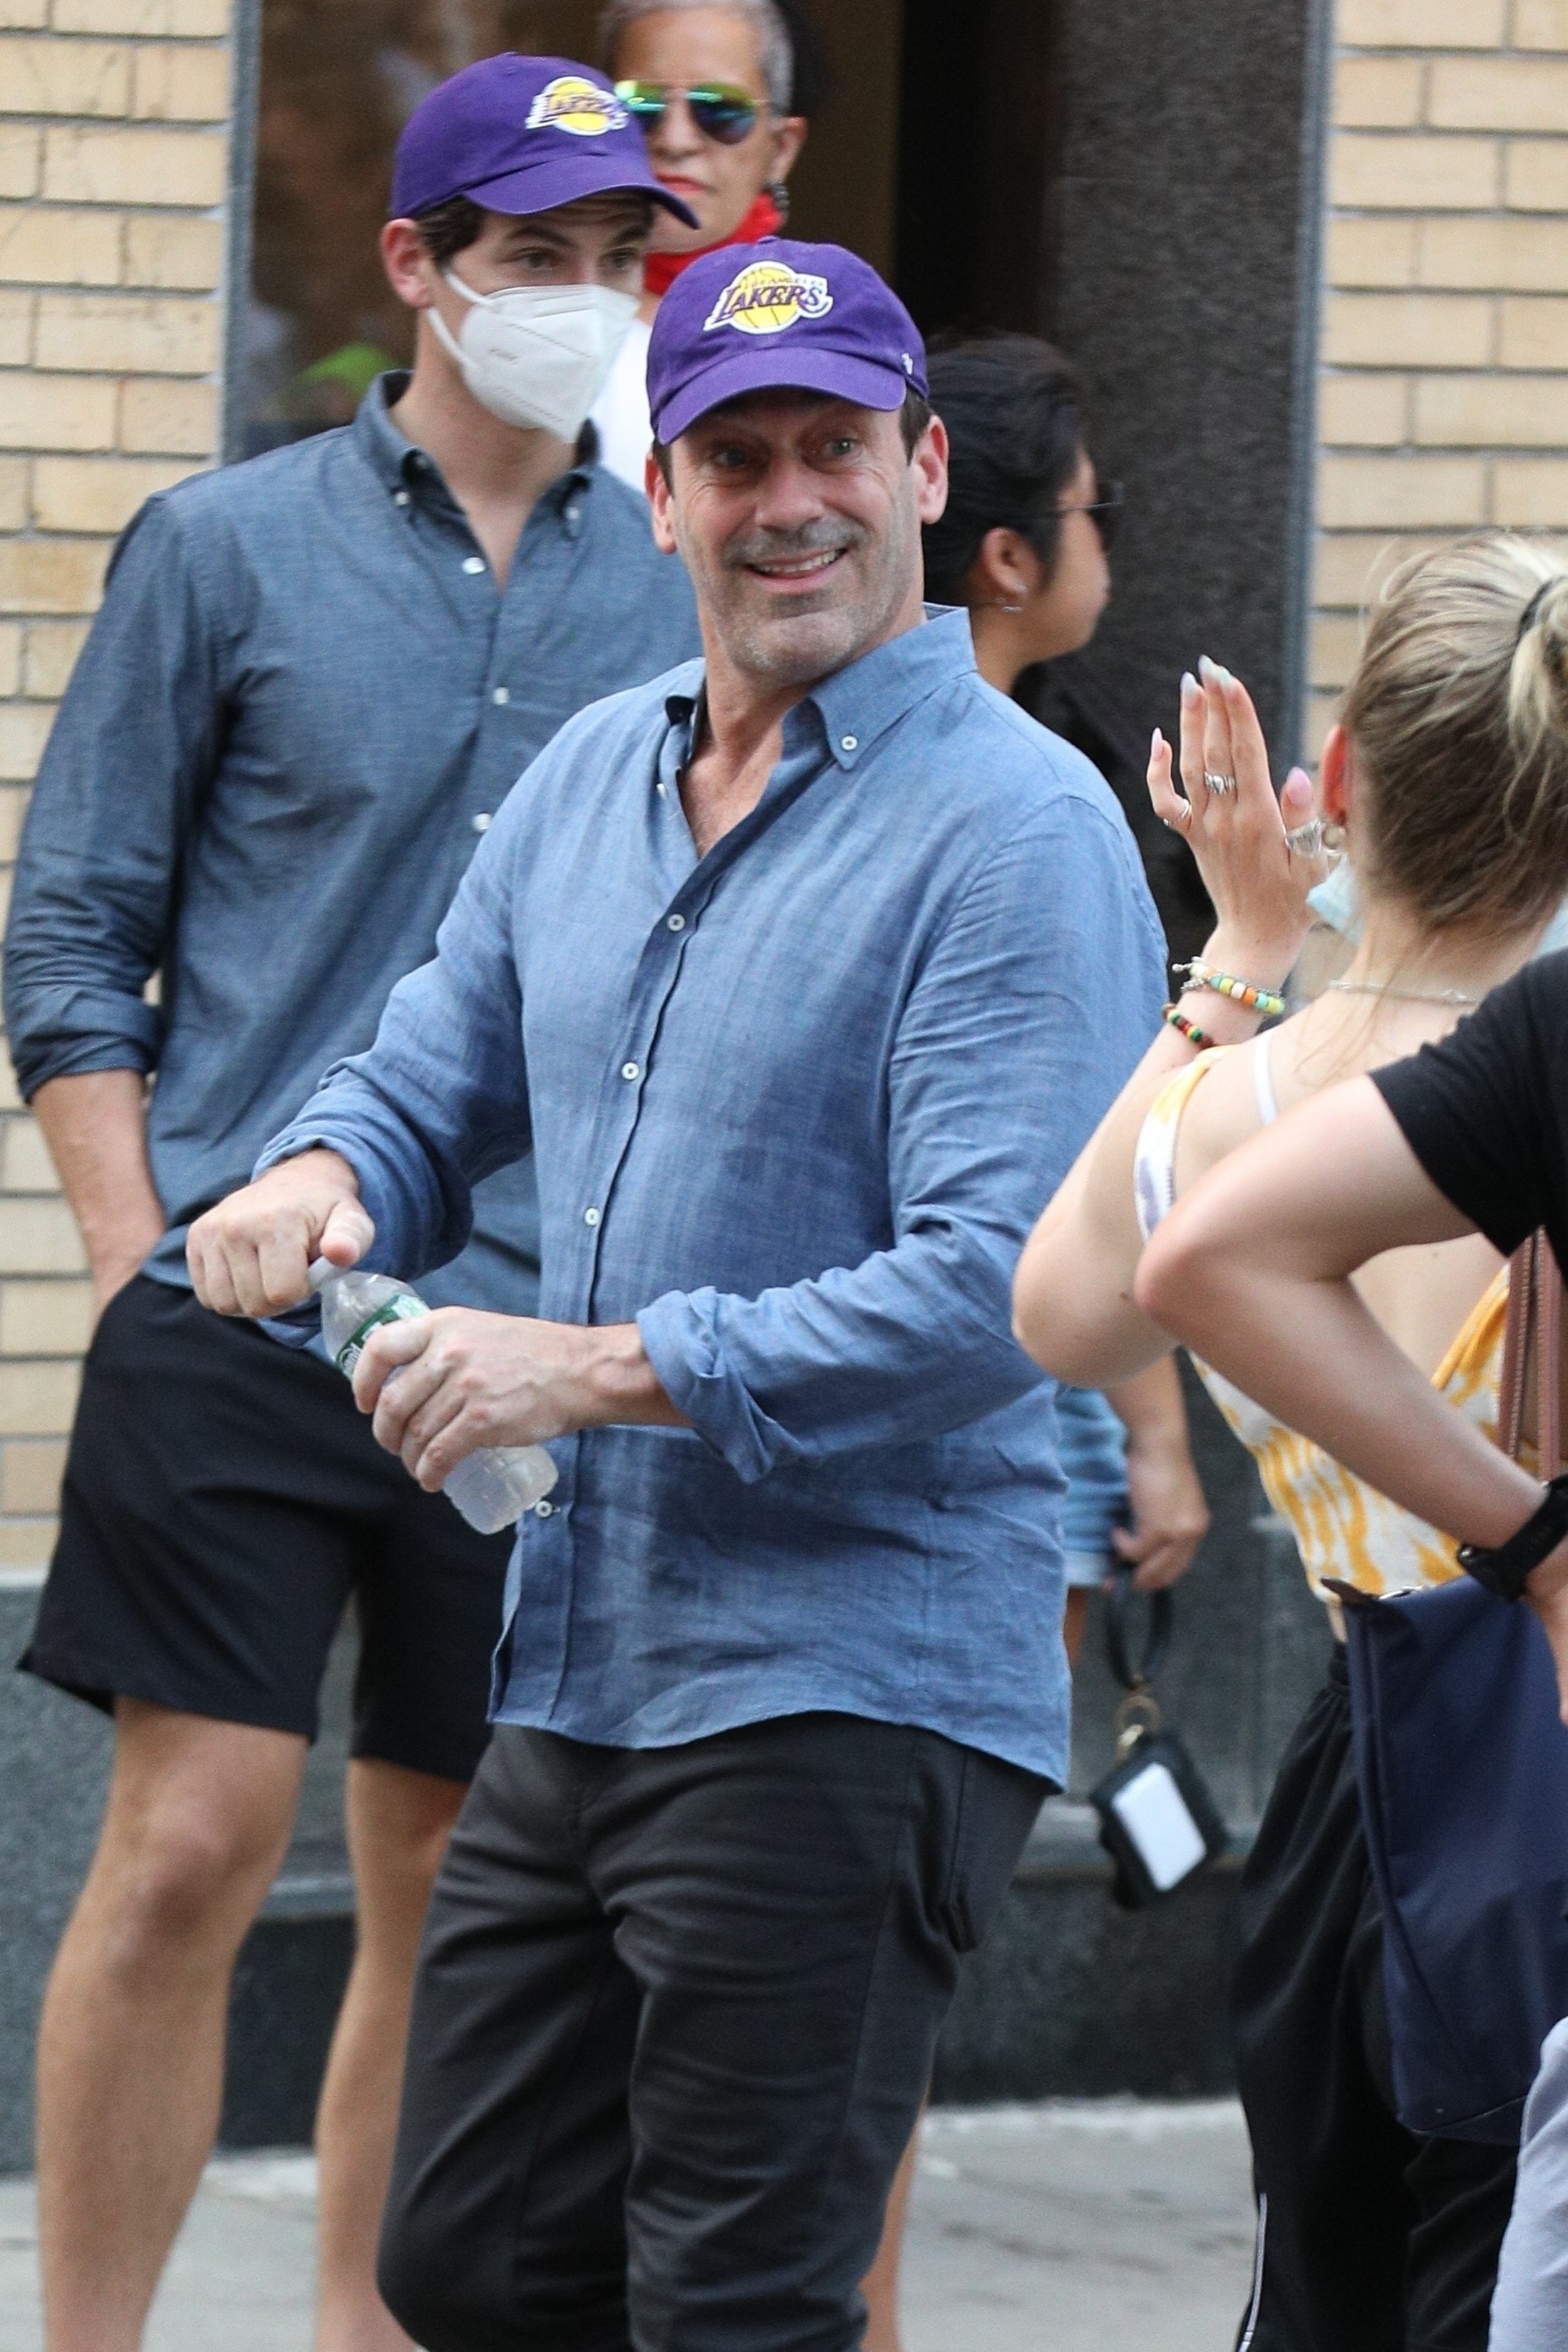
x: 979, y: 121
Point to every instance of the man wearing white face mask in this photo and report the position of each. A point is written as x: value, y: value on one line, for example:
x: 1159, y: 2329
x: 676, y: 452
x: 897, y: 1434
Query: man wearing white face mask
x: 312, y: 681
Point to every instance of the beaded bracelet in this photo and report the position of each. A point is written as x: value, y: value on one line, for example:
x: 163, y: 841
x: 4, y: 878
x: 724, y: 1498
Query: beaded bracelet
x: 1189, y: 1030
x: 1267, y: 1001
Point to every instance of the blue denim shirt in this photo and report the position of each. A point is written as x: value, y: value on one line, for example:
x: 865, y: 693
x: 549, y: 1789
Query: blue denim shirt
x: 1093, y: 1443
x: 303, y: 701
x: 795, y: 1105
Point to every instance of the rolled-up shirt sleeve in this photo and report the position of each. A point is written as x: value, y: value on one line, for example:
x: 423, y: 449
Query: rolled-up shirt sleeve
x: 440, y: 1099
x: 122, y: 783
x: 1037, y: 1001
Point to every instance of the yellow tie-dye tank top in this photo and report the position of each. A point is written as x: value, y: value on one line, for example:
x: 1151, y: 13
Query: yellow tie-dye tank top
x: 1342, y: 1526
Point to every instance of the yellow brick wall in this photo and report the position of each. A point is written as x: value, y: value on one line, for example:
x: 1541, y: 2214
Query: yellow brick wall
x: 113, y: 158
x: 1443, y: 397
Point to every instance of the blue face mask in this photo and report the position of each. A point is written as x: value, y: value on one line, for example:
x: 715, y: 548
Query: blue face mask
x: 1337, y: 902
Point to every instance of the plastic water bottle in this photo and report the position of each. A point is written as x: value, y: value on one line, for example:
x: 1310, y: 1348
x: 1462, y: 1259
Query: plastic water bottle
x: 492, y: 1489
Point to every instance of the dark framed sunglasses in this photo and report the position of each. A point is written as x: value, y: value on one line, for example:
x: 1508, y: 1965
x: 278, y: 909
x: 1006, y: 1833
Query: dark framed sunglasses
x: 719, y: 111
x: 1105, y: 509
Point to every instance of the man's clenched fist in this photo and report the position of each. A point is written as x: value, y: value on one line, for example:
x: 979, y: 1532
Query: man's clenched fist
x: 250, y: 1255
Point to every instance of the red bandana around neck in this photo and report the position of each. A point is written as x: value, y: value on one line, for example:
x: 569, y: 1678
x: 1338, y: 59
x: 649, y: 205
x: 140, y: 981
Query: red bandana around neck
x: 661, y: 270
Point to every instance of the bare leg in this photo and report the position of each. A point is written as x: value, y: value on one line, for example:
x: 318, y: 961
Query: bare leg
x: 1074, y: 1622
x: 399, y: 1823
x: 880, y: 2284
x: 131, y: 2045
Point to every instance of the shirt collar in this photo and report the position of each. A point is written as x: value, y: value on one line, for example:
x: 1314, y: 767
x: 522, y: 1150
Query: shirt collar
x: 858, y: 704
x: 396, y: 462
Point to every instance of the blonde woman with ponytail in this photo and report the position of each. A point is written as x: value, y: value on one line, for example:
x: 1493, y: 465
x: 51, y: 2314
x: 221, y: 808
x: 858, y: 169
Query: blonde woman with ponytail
x: 1448, y: 776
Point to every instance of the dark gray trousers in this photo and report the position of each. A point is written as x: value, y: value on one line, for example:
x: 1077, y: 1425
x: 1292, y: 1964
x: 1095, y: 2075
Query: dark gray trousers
x: 675, y: 2014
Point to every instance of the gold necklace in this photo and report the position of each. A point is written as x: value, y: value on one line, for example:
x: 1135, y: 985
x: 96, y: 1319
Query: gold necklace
x: 1405, y: 995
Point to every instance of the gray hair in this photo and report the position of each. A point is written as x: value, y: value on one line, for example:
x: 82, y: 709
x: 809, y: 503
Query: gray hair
x: 767, y: 21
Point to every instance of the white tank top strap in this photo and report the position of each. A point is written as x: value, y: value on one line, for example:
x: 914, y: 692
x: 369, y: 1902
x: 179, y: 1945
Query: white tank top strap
x: 1154, y: 1155
x: 1263, y: 1080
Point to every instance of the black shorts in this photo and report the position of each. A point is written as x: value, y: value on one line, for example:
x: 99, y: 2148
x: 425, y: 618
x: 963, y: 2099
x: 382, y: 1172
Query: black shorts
x: 223, y: 1499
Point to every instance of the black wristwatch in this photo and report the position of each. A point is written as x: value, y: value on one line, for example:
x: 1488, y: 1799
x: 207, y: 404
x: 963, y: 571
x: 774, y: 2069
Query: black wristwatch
x: 1504, y: 1569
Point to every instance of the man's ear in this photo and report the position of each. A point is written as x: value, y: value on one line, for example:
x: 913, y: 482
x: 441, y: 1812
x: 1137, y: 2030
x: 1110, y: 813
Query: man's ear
x: 928, y: 462
x: 405, y: 257
x: 661, y: 504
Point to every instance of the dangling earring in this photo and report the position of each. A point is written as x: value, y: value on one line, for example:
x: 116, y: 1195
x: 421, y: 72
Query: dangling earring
x: 777, y: 195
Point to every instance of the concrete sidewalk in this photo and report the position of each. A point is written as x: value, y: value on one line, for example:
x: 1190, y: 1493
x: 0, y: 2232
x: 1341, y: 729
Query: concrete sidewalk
x: 1059, y: 2228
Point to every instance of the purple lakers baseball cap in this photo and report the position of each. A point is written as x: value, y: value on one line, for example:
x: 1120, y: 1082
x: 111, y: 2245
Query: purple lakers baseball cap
x: 778, y: 315
x: 521, y: 135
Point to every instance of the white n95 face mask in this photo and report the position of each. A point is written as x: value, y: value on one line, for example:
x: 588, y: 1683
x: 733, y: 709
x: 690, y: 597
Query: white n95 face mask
x: 538, y: 355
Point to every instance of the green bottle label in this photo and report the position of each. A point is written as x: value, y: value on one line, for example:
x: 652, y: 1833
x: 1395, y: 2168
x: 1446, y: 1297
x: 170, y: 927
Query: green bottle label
x: 395, y: 1310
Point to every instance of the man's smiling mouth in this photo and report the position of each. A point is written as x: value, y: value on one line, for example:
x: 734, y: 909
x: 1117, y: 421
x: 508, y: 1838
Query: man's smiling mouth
x: 797, y: 567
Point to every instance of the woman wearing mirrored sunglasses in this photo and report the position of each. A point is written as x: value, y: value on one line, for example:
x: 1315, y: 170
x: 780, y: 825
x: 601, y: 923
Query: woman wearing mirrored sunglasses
x: 719, y: 89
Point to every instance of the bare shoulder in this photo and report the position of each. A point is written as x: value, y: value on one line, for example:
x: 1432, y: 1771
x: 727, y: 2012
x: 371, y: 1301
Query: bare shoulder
x: 1221, y: 1113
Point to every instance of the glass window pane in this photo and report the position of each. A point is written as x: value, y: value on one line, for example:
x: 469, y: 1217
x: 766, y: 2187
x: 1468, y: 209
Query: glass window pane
x: 339, y: 80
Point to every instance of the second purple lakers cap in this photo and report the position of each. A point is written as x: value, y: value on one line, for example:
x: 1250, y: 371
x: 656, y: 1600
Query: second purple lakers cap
x: 780, y: 315
x: 521, y: 135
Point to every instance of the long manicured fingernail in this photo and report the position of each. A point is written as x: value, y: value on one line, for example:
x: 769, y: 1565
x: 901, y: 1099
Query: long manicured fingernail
x: 1189, y: 687
x: 1207, y: 670
x: 1224, y: 679
x: 1156, y: 743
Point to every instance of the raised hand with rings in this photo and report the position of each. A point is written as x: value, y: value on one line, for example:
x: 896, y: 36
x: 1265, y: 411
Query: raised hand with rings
x: 1258, y: 855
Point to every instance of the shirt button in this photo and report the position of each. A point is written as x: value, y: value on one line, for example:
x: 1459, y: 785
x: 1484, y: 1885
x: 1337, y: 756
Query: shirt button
x: 676, y: 922
x: 849, y: 742
x: 481, y: 821
x: 501, y: 694
x: 629, y: 1070
x: 590, y: 1216
x: 473, y: 562
x: 400, y: 497
x: 544, y: 1510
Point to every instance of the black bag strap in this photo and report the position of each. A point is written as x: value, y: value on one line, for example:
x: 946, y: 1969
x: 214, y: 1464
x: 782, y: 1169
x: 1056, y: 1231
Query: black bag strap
x: 1118, y: 1630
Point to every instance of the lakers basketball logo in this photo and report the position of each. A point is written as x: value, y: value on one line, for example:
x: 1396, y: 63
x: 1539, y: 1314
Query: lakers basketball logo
x: 571, y: 104
x: 766, y: 297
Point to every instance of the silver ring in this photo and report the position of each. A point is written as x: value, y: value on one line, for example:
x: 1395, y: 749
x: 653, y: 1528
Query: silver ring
x: 1306, y: 840
x: 1222, y: 787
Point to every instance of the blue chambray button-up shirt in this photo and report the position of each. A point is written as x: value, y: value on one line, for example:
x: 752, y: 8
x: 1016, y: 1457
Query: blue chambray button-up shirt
x: 299, y: 708
x: 794, y: 1105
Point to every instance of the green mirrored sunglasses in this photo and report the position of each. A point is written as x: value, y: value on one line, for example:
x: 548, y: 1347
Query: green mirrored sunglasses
x: 719, y: 111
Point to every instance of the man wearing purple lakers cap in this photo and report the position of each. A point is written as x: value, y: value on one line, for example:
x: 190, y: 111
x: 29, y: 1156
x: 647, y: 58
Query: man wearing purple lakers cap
x: 807, y: 970
x: 314, y: 679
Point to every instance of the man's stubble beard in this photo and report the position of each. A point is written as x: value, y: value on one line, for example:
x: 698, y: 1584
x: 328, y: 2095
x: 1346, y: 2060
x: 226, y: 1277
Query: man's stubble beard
x: 795, y: 646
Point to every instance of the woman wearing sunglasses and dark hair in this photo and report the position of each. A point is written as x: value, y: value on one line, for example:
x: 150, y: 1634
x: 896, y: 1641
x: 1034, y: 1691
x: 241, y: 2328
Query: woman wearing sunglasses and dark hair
x: 721, y: 89
x: 1024, y: 543
x: 1029, y: 523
